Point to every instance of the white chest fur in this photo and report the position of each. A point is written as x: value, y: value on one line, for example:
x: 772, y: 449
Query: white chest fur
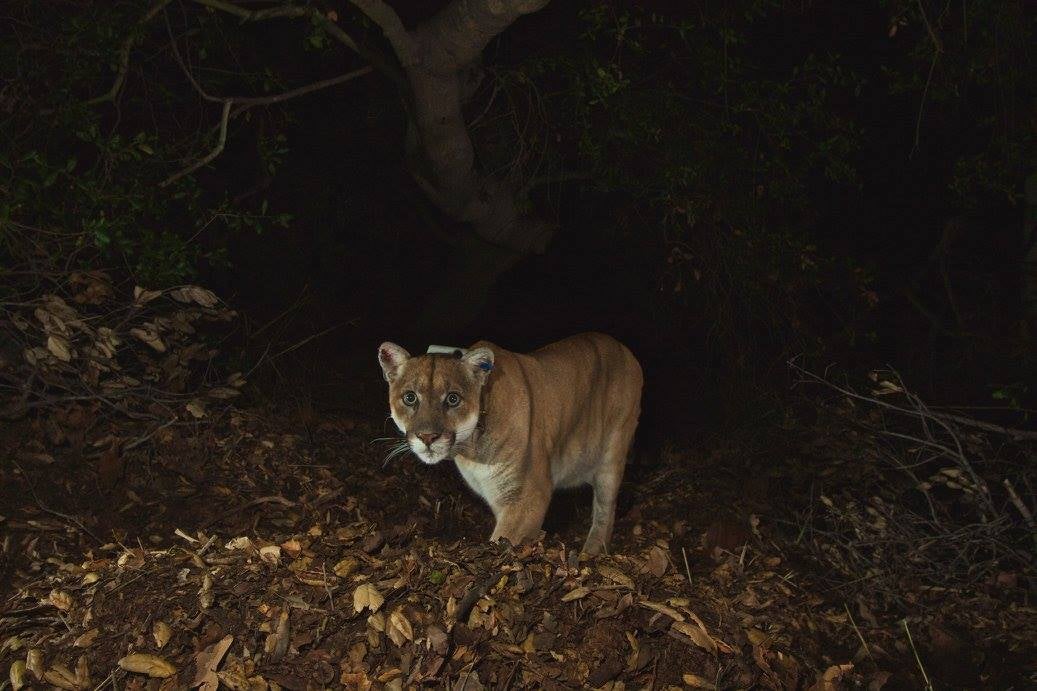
x: 481, y: 477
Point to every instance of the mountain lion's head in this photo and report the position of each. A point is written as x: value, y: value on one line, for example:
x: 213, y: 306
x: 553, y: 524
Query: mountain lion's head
x: 435, y: 399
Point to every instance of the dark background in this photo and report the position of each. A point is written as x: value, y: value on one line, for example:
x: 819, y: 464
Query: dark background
x: 734, y: 184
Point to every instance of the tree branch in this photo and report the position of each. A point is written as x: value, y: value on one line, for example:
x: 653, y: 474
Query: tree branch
x: 433, y: 56
x: 283, y: 11
x: 247, y: 16
x: 249, y: 101
x: 389, y: 22
x: 457, y: 35
x: 217, y: 150
x: 124, y: 54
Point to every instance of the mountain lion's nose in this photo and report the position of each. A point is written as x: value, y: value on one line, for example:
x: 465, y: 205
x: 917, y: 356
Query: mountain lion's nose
x: 429, y: 437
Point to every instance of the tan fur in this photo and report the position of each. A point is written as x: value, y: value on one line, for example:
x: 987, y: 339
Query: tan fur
x: 558, y: 417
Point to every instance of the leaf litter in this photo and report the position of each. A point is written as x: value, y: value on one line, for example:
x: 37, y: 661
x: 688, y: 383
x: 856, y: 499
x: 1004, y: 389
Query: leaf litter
x: 243, y: 557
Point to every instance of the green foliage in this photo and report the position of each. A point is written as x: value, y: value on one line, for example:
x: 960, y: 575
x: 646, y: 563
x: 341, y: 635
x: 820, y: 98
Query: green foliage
x: 746, y: 154
x: 94, y: 170
x: 675, y: 116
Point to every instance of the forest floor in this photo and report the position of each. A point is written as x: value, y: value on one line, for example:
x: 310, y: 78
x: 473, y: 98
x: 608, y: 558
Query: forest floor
x: 255, y: 551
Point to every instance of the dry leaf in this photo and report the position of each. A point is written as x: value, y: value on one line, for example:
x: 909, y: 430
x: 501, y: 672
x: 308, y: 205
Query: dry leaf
x: 18, y: 675
x: 668, y: 611
x: 62, y: 677
x: 399, y: 628
x: 148, y: 333
x: 468, y: 680
x: 207, y: 661
x: 757, y: 637
x: 59, y: 348
x: 657, y: 561
x: 83, y: 674
x: 438, y: 641
x: 196, y: 408
x: 271, y: 554
x: 697, y: 634
x: 276, y: 644
x: 60, y: 599
x: 576, y: 594
x: 238, y: 543
x: 367, y: 596
x: 142, y: 296
x: 292, y: 546
x: 697, y: 682
x: 377, y: 621
x: 346, y: 567
x: 829, y: 681
x: 205, y: 595
x: 161, y: 633
x: 151, y: 665
x: 233, y: 679
x: 87, y: 639
x: 616, y: 576
x: 34, y: 662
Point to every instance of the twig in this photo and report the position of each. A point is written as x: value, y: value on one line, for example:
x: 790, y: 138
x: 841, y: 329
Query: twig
x: 687, y: 568
x: 327, y: 589
x: 1017, y: 502
x: 925, y: 677
x: 309, y: 338
x: 71, y: 519
x: 140, y: 440
x: 857, y: 630
x: 937, y: 51
x: 104, y: 681
x: 273, y: 499
x: 1014, y: 433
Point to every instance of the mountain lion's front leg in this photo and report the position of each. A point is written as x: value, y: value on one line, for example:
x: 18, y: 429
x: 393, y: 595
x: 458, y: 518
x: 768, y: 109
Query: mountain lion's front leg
x: 522, y: 518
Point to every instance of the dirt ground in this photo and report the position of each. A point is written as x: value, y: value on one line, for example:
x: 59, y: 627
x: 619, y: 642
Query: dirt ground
x: 261, y: 550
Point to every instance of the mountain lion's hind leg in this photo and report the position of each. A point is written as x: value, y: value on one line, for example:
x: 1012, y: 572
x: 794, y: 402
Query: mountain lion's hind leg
x: 606, y: 486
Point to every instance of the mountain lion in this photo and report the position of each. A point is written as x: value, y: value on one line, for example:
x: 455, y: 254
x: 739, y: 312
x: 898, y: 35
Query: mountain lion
x: 518, y: 426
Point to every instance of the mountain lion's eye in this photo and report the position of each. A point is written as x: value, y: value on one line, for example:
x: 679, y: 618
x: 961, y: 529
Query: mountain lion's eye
x: 410, y: 398
x: 453, y: 400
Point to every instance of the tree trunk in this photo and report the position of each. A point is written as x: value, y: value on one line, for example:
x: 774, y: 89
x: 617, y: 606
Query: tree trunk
x: 437, y: 56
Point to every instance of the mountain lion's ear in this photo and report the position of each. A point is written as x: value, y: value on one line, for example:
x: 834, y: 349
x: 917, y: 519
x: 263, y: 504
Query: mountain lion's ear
x: 391, y: 357
x: 481, y: 361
